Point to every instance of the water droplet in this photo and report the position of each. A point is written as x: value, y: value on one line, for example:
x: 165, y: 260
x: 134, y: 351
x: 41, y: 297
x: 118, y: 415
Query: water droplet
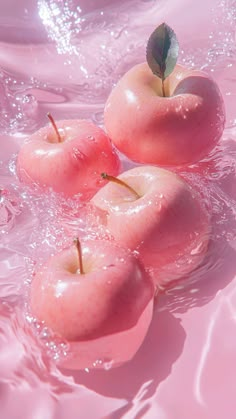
x: 79, y: 155
x: 91, y: 138
x: 97, y: 363
x: 44, y: 333
x: 108, y: 365
x: 104, y: 154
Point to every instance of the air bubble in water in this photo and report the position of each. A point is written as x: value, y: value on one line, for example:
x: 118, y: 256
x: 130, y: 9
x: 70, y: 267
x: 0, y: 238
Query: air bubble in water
x: 29, y: 105
x: 98, y: 117
x: 108, y: 365
x: 44, y: 333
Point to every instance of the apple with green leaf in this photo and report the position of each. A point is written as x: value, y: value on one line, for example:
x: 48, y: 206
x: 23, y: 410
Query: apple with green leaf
x: 163, y: 113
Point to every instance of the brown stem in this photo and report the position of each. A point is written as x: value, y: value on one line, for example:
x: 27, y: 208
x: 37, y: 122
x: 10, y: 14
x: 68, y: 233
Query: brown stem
x: 51, y: 119
x: 163, y: 88
x: 79, y: 251
x: 121, y: 183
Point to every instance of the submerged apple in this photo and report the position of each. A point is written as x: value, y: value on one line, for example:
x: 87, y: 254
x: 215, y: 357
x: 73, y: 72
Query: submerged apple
x: 91, y: 295
x: 162, y: 114
x: 68, y: 157
x: 155, y: 212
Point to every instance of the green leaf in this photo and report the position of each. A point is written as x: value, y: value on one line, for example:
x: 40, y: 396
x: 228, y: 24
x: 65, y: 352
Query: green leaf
x: 162, y: 51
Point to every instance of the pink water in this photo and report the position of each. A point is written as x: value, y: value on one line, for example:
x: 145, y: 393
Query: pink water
x: 64, y: 57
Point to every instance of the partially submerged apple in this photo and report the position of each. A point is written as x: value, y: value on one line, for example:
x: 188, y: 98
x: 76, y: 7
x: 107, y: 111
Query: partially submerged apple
x: 162, y: 114
x: 92, y: 294
x: 67, y: 157
x: 158, y: 214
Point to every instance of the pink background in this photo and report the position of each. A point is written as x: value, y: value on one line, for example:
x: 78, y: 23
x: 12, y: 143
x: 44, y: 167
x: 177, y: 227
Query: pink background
x: 51, y: 59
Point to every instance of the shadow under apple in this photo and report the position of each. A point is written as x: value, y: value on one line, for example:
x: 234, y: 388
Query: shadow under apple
x: 152, y: 364
x: 218, y: 268
x: 165, y: 340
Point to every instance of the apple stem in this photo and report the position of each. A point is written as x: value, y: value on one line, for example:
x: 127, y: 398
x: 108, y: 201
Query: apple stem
x: 120, y: 182
x: 51, y: 119
x: 163, y: 88
x: 79, y: 251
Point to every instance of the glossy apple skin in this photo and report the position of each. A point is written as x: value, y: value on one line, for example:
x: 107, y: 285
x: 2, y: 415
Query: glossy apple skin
x: 175, y: 130
x: 168, y: 225
x: 109, y: 350
x: 113, y: 296
x: 72, y: 166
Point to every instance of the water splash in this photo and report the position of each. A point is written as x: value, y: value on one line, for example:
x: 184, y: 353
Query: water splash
x: 10, y: 208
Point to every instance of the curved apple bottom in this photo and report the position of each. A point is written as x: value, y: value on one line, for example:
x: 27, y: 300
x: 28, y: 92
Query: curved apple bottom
x: 111, y: 350
x: 178, y: 129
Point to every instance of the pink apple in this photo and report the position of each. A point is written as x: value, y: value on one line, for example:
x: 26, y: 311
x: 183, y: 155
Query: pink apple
x: 109, y: 298
x: 178, y: 129
x: 67, y: 157
x: 166, y: 223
